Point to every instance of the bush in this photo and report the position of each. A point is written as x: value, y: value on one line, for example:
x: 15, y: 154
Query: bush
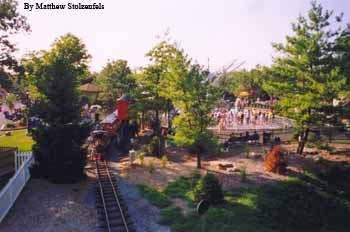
x: 178, y: 188
x: 10, y: 125
x: 209, y: 188
x: 155, y: 198
x: 170, y: 215
x: 164, y: 161
x: 151, y: 167
x: 141, y: 156
x: 301, y: 205
x: 23, y: 121
x: 276, y: 161
x: 243, y: 173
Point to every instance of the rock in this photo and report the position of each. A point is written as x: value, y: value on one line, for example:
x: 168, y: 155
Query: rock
x: 225, y: 166
x: 235, y: 169
x: 255, y: 155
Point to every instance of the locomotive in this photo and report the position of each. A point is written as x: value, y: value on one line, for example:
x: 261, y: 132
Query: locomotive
x: 115, y: 127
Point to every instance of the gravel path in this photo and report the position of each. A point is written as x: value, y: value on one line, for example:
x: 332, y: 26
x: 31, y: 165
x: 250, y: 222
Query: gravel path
x: 47, y: 207
x: 143, y: 215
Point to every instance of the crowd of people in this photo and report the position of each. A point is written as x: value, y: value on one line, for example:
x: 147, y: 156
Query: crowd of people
x: 241, y: 114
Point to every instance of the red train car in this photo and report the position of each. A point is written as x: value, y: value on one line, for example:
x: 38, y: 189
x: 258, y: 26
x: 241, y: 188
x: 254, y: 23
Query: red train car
x: 112, y: 122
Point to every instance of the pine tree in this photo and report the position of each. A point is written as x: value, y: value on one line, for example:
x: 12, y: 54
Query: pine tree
x: 306, y: 77
x: 53, y: 77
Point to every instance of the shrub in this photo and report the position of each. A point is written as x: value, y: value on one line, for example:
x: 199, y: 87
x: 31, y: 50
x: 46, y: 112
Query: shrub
x: 195, y: 177
x: 300, y: 205
x: 141, y: 156
x: 243, y: 173
x: 164, y: 161
x: 170, y: 215
x: 23, y: 121
x: 276, y: 161
x: 209, y: 188
x: 10, y: 125
x: 178, y: 188
x: 247, y: 151
x: 151, y: 167
x: 313, y: 137
x: 154, y: 147
x: 155, y: 198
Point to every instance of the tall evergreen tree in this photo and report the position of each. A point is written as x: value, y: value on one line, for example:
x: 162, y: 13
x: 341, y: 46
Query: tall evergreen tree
x: 53, y: 76
x: 306, y: 77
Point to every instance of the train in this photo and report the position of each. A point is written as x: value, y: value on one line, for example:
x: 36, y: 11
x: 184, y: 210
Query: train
x: 115, y: 128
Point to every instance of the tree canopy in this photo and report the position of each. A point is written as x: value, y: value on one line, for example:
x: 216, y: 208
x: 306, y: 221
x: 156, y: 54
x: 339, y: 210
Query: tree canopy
x: 11, y: 22
x: 115, y: 79
x: 307, y: 77
x: 53, y: 77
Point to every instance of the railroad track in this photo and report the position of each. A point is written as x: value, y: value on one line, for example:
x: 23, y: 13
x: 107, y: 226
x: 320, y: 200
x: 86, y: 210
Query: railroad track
x: 111, y: 213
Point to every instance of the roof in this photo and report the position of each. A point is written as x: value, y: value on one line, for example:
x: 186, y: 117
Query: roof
x: 90, y: 88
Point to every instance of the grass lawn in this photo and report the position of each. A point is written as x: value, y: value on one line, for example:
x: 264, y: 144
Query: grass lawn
x: 299, y: 204
x: 17, y: 139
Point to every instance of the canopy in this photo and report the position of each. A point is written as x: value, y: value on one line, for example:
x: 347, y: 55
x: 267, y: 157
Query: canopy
x: 244, y: 94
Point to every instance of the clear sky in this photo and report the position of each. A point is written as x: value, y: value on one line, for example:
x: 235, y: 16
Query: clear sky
x: 221, y: 30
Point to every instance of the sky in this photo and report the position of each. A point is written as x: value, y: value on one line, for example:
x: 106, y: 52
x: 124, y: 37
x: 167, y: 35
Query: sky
x: 219, y: 30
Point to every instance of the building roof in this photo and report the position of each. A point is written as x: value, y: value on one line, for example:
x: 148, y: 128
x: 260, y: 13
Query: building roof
x: 90, y: 88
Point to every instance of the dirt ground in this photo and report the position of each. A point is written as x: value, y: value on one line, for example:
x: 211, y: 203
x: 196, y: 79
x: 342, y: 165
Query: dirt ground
x: 182, y: 163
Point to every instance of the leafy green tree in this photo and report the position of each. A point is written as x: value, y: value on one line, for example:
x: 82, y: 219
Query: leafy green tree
x: 53, y: 76
x: 10, y: 101
x: 244, y: 80
x: 194, y: 95
x: 306, y: 77
x: 152, y: 93
x: 11, y: 22
x: 115, y: 79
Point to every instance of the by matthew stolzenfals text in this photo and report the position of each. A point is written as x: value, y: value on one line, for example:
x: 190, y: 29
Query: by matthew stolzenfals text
x: 69, y: 6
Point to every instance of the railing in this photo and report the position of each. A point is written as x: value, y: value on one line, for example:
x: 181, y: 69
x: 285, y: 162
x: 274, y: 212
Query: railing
x: 20, y: 158
x: 13, y: 188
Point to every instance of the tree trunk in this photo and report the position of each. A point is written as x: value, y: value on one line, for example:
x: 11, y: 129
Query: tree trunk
x: 199, y: 164
x: 158, y: 133
x: 303, y: 141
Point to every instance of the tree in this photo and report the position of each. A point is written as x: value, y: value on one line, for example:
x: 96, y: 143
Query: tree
x: 307, y: 78
x: 53, y: 76
x: 194, y: 95
x: 115, y: 79
x: 10, y: 101
x: 244, y: 80
x: 11, y: 22
x: 152, y: 94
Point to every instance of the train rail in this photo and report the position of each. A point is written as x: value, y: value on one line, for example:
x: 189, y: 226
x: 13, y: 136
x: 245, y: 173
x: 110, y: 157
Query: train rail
x: 111, y: 213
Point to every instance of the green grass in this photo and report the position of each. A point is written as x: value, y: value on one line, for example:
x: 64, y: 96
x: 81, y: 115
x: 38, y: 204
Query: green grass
x: 18, y: 139
x: 298, y: 204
